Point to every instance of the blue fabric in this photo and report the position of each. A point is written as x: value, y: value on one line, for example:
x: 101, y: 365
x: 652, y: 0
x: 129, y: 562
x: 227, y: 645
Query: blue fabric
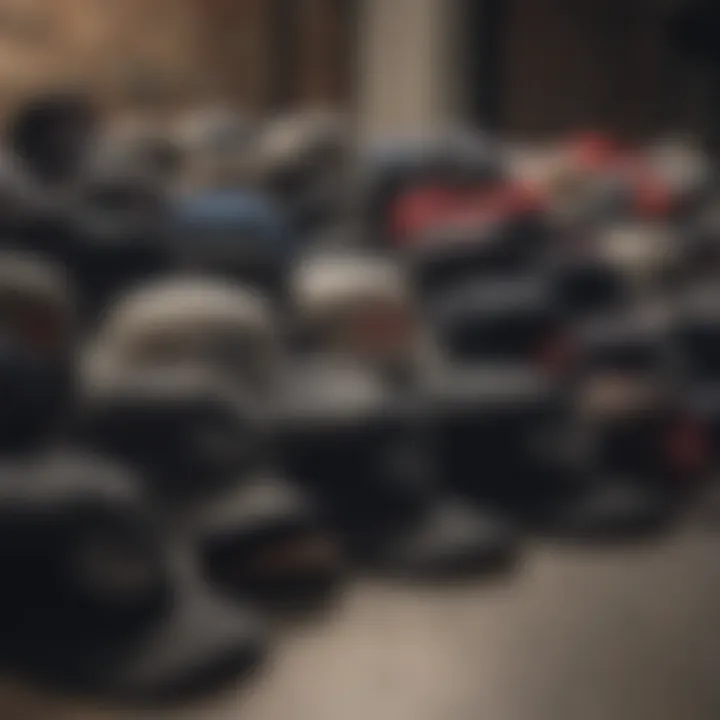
x: 228, y: 216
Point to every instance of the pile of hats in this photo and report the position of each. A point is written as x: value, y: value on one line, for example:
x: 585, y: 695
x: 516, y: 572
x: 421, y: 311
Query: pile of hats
x: 238, y: 360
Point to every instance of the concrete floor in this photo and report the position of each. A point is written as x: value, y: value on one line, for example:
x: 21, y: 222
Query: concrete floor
x: 612, y: 634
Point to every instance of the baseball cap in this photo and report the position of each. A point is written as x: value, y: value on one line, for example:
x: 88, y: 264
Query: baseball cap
x: 428, y: 166
x: 263, y: 538
x: 96, y: 601
x: 119, y: 222
x: 697, y: 332
x: 487, y: 419
x: 629, y: 342
x: 586, y: 284
x: 51, y: 133
x: 497, y: 319
x: 38, y: 329
x: 233, y: 232
x: 206, y: 457
x: 450, y: 254
x: 200, y: 321
x: 365, y: 457
x: 356, y: 303
x: 189, y: 431
x: 302, y: 163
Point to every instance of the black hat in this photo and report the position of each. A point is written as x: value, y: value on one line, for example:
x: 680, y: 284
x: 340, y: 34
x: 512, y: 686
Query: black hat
x: 119, y: 223
x: 449, y: 255
x: 302, y: 163
x: 190, y: 432
x: 496, y: 428
x: 95, y: 602
x: 37, y: 338
x: 235, y: 233
x: 697, y: 332
x: 631, y: 342
x: 263, y: 538
x: 449, y: 160
x: 365, y: 457
x: 203, y: 449
x: 51, y: 134
x: 638, y: 425
x: 511, y: 319
x: 585, y: 284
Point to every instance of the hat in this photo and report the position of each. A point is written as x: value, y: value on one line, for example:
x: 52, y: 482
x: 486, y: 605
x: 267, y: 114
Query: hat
x: 203, y: 449
x: 453, y: 160
x: 38, y: 328
x: 496, y: 426
x: 220, y: 148
x: 629, y: 342
x: 498, y: 320
x: 302, y: 161
x: 51, y: 134
x: 189, y: 431
x: 119, y: 222
x: 216, y: 324
x: 646, y: 254
x: 367, y: 461
x: 96, y: 602
x: 452, y: 254
x: 506, y: 440
x: 138, y: 146
x: 37, y: 301
x: 355, y: 303
x: 233, y: 232
x: 264, y: 538
x: 697, y: 332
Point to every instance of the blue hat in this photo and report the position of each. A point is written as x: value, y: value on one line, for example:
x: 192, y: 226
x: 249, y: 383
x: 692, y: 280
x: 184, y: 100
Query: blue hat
x: 228, y: 217
x: 236, y: 233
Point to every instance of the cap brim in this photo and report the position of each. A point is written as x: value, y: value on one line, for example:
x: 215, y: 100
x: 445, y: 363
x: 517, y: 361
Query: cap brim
x: 255, y: 519
x: 200, y: 645
x: 612, y: 510
x: 452, y: 541
x: 203, y: 644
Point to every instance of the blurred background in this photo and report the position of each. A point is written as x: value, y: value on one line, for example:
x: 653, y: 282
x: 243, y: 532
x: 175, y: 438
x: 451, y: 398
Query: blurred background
x: 525, y: 67
x: 618, y: 633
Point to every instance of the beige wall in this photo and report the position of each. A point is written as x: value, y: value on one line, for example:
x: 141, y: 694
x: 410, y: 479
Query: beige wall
x: 100, y: 44
x: 406, y: 65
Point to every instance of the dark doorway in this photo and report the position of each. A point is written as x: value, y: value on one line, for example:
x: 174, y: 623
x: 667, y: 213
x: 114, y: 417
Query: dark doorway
x: 483, y: 29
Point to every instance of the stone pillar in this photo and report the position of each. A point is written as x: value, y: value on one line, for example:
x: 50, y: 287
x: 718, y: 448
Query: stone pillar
x: 406, y: 67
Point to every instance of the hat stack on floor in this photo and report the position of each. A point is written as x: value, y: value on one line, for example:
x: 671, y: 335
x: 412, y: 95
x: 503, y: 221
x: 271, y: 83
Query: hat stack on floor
x: 242, y: 362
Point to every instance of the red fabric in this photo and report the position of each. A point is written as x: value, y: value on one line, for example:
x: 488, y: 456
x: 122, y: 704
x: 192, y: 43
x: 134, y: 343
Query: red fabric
x: 430, y: 207
x: 379, y: 327
x: 688, y: 446
x: 594, y: 150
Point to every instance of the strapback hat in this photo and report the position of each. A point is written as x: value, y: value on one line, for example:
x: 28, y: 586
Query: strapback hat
x: 37, y: 301
x: 364, y: 456
x: 356, y: 304
x: 219, y: 145
x: 648, y: 255
x: 697, y: 332
x: 513, y: 320
x: 402, y: 178
x: 237, y: 233
x: 37, y: 343
x: 263, y: 537
x: 138, y: 146
x: 95, y: 601
x: 119, y: 223
x: 189, y: 431
x: 302, y: 162
x: 51, y: 134
x: 205, y: 322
